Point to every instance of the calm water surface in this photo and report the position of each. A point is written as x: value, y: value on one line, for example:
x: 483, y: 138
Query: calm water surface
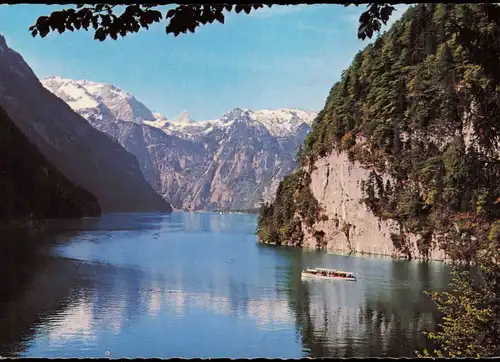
x: 198, y: 285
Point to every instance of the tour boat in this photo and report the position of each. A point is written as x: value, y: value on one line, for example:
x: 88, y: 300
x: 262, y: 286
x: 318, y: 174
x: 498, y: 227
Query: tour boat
x: 331, y: 274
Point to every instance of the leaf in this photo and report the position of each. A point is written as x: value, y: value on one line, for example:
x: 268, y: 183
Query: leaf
x: 218, y: 7
x: 206, y: 16
x: 219, y: 17
x: 100, y: 34
x: 156, y: 15
x: 386, y: 12
x: 43, y: 30
x: 105, y: 20
x: 85, y: 23
x: 42, y: 19
x: 95, y: 22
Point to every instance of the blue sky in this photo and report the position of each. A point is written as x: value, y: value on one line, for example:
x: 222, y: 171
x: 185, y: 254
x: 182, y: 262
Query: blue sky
x: 285, y: 56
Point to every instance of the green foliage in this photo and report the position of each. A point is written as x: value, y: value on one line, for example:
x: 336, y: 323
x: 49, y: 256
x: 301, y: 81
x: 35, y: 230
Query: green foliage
x: 402, y: 109
x: 399, y: 108
x: 405, y: 98
x: 494, y: 234
x: 30, y: 187
x: 465, y: 328
x: 183, y: 18
x: 280, y: 222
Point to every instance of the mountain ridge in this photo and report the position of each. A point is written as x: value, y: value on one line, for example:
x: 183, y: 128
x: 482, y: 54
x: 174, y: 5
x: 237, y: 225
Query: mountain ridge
x: 31, y: 187
x: 87, y: 157
x: 95, y: 96
x: 211, y: 164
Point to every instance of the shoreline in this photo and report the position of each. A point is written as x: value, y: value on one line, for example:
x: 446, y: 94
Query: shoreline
x: 218, y: 211
x: 357, y: 253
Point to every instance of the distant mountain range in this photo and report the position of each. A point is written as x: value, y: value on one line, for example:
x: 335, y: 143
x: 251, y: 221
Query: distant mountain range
x: 86, y: 157
x: 230, y: 163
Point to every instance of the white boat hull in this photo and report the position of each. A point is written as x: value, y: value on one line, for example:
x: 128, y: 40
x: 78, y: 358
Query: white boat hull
x: 313, y: 276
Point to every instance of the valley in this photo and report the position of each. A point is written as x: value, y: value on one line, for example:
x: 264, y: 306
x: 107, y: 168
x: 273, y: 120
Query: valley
x: 121, y: 214
x: 233, y: 162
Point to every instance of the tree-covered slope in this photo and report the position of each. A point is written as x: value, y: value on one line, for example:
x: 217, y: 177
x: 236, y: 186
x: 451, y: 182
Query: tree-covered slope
x: 31, y: 187
x: 421, y: 105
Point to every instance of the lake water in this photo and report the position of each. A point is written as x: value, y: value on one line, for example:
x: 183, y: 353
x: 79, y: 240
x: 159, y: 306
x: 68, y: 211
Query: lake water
x: 198, y: 285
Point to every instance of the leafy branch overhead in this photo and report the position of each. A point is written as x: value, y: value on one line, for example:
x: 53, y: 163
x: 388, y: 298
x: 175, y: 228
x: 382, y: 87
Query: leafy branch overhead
x: 182, y: 18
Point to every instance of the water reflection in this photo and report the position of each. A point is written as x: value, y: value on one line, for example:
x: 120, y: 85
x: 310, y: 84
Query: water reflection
x: 382, y: 314
x: 73, y: 323
x: 121, y: 300
x: 198, y: 285
x: 34, y: 284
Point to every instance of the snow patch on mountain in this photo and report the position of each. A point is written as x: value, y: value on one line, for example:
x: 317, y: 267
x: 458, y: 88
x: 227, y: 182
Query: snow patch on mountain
x: 99, y: 100
x: 87, y: 95
x: 280, y: 123
x: 71, y: 92
x: 189, y: 130
x: 184, y: 117
x: 285, y: 121
x: 230, y: 162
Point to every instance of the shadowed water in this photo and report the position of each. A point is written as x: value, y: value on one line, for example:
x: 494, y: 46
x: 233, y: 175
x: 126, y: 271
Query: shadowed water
x: 198, y: 285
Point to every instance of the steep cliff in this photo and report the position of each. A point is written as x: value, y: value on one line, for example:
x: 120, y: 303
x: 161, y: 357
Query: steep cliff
x: 87, y: 157
x: 31, y: 187
x: 229, y: 163
x: 403, y: 159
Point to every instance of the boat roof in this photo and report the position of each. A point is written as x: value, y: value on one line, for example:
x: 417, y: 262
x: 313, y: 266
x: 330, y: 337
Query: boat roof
x: 332, y: 270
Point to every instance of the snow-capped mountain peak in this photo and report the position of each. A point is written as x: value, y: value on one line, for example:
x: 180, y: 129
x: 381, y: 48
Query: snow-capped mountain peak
x: 282, y: 122
x: 195, y: 164
x: 71, y: 92
x: 101, y: 101
x: 184, y: 117
x: 99, y: 98
x: 285, y: 121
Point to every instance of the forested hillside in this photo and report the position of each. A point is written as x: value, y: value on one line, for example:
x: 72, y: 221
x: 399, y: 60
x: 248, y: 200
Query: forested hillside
x: 420, y: 105
x: 31, y: 187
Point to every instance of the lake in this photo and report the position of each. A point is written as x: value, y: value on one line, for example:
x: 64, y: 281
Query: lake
x: 199, y: 285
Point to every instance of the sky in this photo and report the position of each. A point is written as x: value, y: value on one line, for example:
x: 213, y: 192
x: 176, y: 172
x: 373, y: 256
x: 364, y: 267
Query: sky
x: 279, y: 57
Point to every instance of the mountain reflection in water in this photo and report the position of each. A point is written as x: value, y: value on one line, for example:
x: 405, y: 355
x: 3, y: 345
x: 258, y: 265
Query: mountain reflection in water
x: 198, y: 285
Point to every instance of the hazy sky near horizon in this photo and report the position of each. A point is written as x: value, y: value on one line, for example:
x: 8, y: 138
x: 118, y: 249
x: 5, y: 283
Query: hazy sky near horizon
x: 285, y: 56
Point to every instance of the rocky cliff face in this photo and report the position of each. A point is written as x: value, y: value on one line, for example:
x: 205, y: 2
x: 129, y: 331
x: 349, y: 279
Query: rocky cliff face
x: 403, y: 159
x: 87, y: 157
x: 229, y: 163
x: 350, y: 226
